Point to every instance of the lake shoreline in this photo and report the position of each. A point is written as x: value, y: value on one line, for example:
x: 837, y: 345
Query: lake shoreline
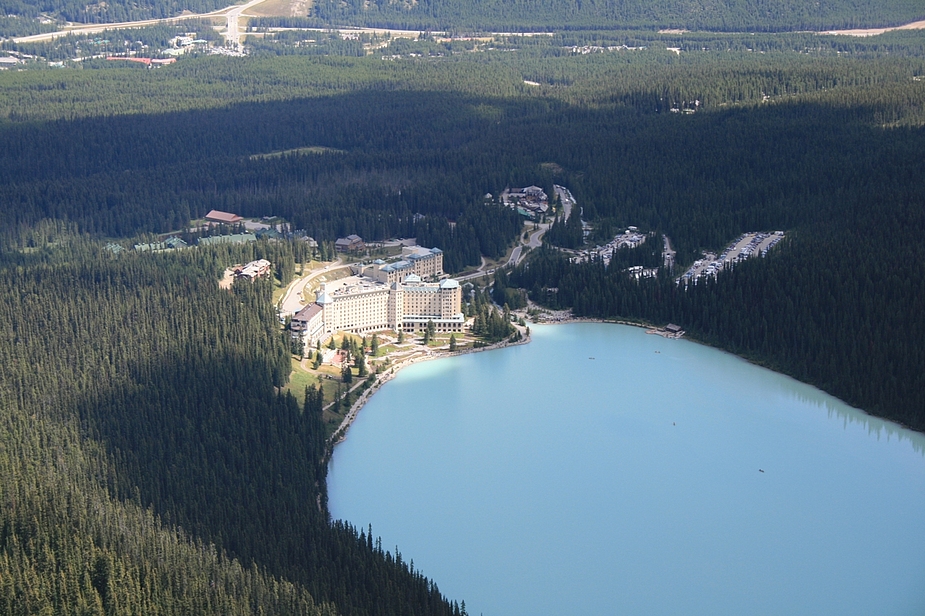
x: 550, y: 317
x: 557, y: 318
x: 432, y: 477
x: 562, y: 317
x: 340, y: 434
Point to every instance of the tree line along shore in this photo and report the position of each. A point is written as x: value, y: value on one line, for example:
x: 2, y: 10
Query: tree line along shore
x: 152, y: 454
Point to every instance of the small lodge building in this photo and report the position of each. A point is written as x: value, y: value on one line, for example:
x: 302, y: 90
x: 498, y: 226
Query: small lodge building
x: 529, y: 201
x: 351, y: 243
x: 171, y: 243
x: 237, y: 238
x: 223, y: 217
x: 252, y: 270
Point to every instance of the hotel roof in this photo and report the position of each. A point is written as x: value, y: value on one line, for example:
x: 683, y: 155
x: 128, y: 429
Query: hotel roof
x: 219, y: 216
x: 307, y: 313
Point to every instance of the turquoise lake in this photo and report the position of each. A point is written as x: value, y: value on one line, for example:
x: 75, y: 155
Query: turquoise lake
x: 659, y: 477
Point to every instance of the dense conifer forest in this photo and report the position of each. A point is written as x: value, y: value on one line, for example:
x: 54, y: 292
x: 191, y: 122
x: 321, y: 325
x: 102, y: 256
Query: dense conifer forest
x: 152, y: 464
x: 149, y: 464
x: 22, y: 17
x: 726, y: 16
x: 504, y: 15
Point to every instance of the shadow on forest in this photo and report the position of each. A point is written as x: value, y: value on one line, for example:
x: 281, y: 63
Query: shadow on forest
x: 425, y: 152
x: 848, y: 188
x: 206, y: 442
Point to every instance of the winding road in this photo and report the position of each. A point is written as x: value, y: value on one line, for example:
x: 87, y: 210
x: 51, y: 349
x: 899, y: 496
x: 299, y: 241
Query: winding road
x: 292, y: 300
x: 535, y: 241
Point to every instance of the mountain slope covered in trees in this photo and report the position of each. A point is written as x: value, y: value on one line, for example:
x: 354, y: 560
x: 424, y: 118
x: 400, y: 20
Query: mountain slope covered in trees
x: 149, y: 462
x: 718, y: 15
x: 81, y: 11
x: 22, y: 16
x: 138, y: 400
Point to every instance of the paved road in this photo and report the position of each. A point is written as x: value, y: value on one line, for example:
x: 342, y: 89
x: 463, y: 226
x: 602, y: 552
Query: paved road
x: 568, y: 201
x: 292, y: 300
x: 536, y: 238
x: 515, y: 256
x: 535, y: 241
x: 231, y: 13
x: 478, y: 273
x: 668, y: 253
x: 232, y: 33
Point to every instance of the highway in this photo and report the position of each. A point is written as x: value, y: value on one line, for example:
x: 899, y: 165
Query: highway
x: 232, y: 31
x: 232, y: 34
x: 230, y: 13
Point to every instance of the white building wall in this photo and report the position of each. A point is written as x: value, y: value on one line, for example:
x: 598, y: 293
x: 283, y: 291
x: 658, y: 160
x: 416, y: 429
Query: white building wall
x: 396, y: 306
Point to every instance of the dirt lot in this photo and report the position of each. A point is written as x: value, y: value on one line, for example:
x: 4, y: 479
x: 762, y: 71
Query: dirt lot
x: 281, y: 8
x: 916, y: 25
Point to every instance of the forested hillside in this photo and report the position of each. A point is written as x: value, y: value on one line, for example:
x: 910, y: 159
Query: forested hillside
x: 81, y: 11
x: 719, y: 15
x: 137, y: 400
x: 152, y: 465
x: 28, y: 16
x: 381, y: 174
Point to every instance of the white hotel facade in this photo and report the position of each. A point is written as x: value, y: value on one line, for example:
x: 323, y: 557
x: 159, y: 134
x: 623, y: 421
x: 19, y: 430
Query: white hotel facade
x: 360, y: 305
x: 426, y: 263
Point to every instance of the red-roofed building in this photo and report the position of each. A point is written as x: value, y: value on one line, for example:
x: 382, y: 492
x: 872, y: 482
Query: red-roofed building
x: 224, y: 217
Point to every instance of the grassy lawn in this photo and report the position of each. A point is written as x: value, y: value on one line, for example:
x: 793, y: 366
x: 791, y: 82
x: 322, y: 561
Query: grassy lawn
x: 461, y: 342
x: 385, y: 349
x: 329, y: 377
x: 281, y: 8
x: 278, y: 291
x: 300, y: 378
x: 339, y: 339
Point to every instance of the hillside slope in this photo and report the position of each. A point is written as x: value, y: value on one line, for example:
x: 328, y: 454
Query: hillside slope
x: 719, y: 15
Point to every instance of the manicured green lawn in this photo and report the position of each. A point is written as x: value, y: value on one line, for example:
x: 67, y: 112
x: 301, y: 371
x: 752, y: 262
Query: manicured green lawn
x: 300, y: 378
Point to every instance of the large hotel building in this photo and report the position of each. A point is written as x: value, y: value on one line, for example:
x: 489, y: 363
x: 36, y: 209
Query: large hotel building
x: 424, y: 262
x: 375, y: 301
